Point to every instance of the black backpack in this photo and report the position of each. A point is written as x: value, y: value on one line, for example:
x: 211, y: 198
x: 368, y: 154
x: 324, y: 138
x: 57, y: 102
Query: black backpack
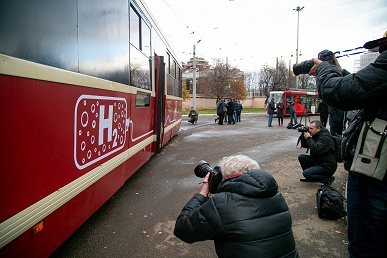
x: 337, y: 139
x: 330, y: 203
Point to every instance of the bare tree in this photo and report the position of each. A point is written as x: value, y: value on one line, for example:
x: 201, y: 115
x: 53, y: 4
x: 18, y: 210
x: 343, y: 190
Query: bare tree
x: 222, y: 81
x: 252, y: 83
x: 266, y: 78
x: 281, y: 76
x: 305, y: 81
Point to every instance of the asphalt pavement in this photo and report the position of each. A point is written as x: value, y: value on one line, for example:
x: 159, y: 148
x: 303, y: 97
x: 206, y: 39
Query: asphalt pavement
x: 138, y: 220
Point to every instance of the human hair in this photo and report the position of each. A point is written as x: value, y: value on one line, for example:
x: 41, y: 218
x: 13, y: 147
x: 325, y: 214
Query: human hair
x: 237, y: 164
x: 317, y: 123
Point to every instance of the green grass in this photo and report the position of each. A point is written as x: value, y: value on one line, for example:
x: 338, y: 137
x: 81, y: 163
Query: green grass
x: 213, y: 111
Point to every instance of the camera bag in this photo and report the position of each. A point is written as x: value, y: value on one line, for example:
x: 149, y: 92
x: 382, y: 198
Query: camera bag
x: 330, y: 203
x: 370, y: 157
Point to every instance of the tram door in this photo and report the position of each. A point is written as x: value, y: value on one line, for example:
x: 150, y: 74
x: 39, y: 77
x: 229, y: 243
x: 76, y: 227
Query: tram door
x: 159, y: 102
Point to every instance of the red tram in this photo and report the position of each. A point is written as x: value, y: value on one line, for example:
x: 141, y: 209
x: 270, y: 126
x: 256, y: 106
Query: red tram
x: 90, y: 90
x: 307, y: 100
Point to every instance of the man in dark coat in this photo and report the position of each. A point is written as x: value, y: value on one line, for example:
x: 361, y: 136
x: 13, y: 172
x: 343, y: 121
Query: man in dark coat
x: 248, y: 217
x: 270, y: 111
x: 230, y: 112
x: 220, y: 111
x: 323, y: 110
x: 336, y: 120
x: 321, y: 164
x: 366, y: 196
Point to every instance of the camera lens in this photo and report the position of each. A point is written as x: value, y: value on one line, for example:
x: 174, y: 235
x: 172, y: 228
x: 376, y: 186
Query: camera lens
x: 202, y: 169
x: 303, y: 67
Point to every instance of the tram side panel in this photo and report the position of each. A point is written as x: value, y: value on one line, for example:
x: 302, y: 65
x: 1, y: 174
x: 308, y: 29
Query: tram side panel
x: 54, y: 145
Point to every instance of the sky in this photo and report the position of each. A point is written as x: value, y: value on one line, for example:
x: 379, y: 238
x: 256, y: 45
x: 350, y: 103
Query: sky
x: 251, y: 33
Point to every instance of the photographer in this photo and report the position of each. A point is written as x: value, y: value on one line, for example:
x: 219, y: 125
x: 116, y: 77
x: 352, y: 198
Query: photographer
x: 193, y: 115
x: 366, y: 195
x: 247, y: 217
x: 321, y: 164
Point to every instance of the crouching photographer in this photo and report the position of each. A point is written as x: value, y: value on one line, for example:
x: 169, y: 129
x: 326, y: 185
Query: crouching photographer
x: 321, y: 164
x: 247, y: 217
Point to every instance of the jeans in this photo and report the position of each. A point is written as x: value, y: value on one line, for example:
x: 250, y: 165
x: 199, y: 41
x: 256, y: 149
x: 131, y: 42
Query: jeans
x: 231, y: 119
x: 270, y: 119
x: 293, y: 116
x: 312, y: 171
x: 366, y: 216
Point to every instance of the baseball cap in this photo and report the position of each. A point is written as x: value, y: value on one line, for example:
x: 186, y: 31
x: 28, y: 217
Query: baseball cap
x: 377, y: 42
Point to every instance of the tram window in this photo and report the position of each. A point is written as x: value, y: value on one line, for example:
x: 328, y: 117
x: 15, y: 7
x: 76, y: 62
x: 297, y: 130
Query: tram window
x: 145, y: 38
x: 169, y: 63
x: 139, y: 69
x: 142, y: 99
x: 134, y: 28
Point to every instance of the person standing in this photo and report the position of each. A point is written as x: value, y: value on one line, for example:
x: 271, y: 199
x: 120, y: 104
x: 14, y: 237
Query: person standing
x: 366, y: 196
x: 323, y: 110
x: 220, y: 112
x: 293, y: 114
x: 230, y: 112
x: 270, y: 111
x: 239, y: 112
x: 280, y: 112
x: 336, y: 120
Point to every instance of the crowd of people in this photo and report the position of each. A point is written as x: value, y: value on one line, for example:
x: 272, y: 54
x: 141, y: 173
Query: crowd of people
x: 228, y: 111
x: 247, y: 199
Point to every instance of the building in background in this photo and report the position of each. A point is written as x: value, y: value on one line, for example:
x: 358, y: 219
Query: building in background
x: 365, y: 59
x: 187, y: 75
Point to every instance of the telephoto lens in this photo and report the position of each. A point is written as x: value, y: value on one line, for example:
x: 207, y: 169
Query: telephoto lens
x: 303, y: 67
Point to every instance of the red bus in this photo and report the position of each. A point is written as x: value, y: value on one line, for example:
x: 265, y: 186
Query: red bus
x: 90, y: 90
x: 307, y: 100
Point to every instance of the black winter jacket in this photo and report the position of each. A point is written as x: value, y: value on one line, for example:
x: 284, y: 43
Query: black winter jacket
x: 323, y: 150
x: 271, y: 108
x: 248, y: 217
x: 366, y: 89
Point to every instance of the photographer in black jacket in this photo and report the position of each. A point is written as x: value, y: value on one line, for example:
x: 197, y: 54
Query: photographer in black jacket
x: 366, y: 196
x: 247, y: 217
x: 321, y: 164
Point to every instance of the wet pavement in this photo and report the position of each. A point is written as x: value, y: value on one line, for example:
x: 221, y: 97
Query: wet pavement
x: 138, y: 220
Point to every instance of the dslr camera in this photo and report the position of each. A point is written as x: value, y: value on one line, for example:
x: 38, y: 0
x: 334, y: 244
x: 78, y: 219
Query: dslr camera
x: 215, y: 177
x: 305, y: 66
x: 303, y: 129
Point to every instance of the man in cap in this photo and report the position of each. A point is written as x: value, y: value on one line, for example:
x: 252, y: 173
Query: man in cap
x: 366, y: 195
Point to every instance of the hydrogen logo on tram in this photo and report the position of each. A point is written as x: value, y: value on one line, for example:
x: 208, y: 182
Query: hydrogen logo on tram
x: 100, y: 127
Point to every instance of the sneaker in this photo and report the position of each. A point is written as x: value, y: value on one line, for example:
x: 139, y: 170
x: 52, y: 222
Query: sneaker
x: 303, y: 179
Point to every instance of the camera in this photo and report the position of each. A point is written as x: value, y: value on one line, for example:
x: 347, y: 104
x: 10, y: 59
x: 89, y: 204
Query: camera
x: 215, y: 177
x: 305, y: 66
x: 303, y: 129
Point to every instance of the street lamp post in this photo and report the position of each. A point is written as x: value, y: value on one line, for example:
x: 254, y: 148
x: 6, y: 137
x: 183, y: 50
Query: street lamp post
x: 298, y: 9
x: 194, y: 76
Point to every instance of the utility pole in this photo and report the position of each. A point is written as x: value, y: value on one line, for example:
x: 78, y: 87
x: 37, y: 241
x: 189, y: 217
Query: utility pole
x: 298, y: 9
x: 194, y: 76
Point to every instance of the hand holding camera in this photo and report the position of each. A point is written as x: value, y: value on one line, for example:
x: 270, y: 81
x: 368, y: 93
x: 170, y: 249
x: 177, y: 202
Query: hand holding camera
x: 212, y: 177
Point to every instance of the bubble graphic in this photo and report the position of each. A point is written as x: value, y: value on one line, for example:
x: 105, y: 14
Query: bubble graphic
x: 83, y: 145
x: 84, y: 119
